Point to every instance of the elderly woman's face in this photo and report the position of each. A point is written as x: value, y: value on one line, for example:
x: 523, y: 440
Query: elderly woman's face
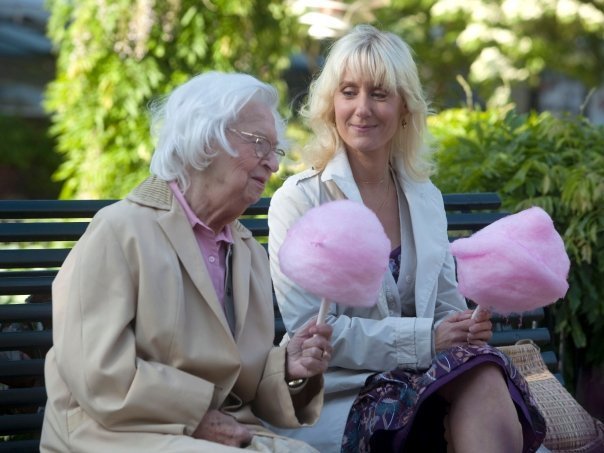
x: 241, y: 179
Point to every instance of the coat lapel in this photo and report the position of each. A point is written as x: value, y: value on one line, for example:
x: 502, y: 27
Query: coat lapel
x: 432, y: 253
x: 155, y: 193
x: 179, y: 233
x: 339, y: 184
x: 241, y: 275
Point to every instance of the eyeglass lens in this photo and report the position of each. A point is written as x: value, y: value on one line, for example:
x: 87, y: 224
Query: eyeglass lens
x: 264, y: 148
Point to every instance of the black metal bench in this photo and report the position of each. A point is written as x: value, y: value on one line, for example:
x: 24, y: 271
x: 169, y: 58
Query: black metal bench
x: 35, y: 238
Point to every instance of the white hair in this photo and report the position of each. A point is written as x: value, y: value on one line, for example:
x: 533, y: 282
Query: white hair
x: 190, y: 123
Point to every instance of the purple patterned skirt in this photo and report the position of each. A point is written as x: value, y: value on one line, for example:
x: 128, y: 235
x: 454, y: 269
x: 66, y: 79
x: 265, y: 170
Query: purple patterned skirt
x: 400, y: 410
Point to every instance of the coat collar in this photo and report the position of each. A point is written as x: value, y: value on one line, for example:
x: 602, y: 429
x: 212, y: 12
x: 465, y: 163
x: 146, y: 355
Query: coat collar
x: 156, y: 193
x: 338, y: 172
x: 152, y: 192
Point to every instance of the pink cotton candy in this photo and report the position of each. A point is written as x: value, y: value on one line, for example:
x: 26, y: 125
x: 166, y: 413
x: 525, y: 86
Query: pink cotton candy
x: 338, y: 251
x: 517, y: 263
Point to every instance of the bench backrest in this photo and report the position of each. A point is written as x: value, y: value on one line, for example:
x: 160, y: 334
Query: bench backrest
x: 35, y: 238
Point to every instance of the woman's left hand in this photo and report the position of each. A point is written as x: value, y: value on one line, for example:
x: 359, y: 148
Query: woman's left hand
x: 309, y: 350
x: 480, y: 330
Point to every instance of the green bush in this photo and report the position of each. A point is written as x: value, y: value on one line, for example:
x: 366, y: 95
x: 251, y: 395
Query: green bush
x: 116, y: 56
x: 554, y: 163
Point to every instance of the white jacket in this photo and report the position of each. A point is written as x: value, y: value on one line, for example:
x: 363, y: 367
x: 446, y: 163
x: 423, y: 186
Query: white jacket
x: 366, y: 340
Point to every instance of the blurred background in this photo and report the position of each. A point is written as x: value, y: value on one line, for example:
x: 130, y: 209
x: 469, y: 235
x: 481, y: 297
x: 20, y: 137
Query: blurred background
x: 516, y: 86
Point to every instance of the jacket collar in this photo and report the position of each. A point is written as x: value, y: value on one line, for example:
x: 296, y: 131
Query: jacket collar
x: 338, y: 172
x: 155, y: 193
x: 152, y: 192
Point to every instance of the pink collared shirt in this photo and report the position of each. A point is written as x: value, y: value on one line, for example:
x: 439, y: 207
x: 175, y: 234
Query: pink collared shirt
x: 213, y: 247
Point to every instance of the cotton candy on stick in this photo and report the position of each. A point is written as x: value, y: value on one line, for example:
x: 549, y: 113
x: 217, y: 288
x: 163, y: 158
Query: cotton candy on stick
x: 515, y: 264
x: 339, y: 252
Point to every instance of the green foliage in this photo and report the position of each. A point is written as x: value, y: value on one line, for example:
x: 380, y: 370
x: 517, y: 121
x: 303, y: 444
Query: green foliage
x: 498, y: 45
x: 27, y: 158
x: 554, y: 163
x: 115, y: 56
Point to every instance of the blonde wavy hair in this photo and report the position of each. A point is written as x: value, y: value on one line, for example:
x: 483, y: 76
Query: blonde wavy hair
x: 384, y: 58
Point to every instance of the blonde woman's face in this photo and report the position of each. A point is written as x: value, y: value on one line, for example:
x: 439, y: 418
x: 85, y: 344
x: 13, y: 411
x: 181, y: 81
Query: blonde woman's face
x: 367, y: 116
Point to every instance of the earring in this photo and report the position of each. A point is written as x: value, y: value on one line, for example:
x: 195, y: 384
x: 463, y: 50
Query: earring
x: 404, y: 123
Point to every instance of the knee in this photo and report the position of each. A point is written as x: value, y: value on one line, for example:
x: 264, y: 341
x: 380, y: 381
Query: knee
x: 489, y: 373
x: 483, y: 381
x: 487, y: 380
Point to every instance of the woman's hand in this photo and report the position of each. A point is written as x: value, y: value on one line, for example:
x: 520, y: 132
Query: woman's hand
x: 481, y: 330
x: 221, y: 428
x: 459, y: 329
x: 308, y: 351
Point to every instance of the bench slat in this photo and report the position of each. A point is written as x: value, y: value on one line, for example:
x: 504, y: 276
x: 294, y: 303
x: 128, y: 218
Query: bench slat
x: 472, y: 221
x: 21, y: 368
x: 39, y: 311
x: 258, y: 227
x: 30, y: 339
x: 48, y: 209
x: 41, y: 231
x: 26, y: 283
x: 472, y: 201
x: 20, y: 423
x: 31, y: 396
x: 258, y: 208
x: 22, y: 446
x: 71, y: 231
x: 79, y: 209
x: 32, y: 258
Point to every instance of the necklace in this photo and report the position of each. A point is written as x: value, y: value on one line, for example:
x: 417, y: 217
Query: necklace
x: 383, y: 202
x: 385, y: 197
x: 379, y: 181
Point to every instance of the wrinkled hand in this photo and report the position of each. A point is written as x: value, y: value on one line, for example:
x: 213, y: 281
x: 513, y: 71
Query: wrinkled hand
x: 459, y: 329
x: 221, y: 428
x: 309, y: 351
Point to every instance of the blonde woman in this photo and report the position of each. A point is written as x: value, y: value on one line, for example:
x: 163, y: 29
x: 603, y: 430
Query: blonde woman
x: 414, y: 372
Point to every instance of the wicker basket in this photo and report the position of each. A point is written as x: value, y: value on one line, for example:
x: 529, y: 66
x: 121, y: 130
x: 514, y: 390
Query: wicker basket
x: 570, y: 428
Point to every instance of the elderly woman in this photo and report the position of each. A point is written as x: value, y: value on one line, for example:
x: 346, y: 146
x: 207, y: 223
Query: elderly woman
x: 163, y: 319
x: 414, y: 372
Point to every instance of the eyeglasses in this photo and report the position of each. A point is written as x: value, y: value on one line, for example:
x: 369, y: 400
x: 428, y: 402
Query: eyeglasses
x: 263, y: 146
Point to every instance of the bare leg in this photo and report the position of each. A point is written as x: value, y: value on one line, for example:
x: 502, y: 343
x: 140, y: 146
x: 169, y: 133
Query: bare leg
x: 482, y: 417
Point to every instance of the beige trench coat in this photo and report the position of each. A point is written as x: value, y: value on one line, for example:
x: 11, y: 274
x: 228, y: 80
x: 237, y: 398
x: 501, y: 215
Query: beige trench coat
x: 142, y: 348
